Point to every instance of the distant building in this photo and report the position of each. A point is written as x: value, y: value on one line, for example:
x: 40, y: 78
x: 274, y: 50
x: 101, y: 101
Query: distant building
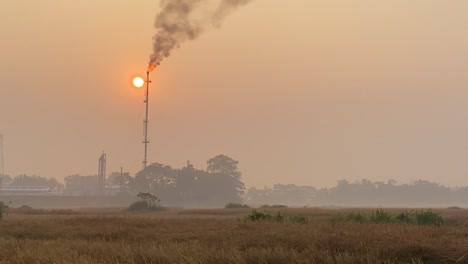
x: 25, y: 190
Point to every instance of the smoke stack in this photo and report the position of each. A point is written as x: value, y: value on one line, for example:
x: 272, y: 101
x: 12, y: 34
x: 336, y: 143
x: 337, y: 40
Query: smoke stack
x: 152, y: 66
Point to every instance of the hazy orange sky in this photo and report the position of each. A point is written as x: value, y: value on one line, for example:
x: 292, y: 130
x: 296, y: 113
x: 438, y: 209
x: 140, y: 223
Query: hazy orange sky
x: 304, y: 92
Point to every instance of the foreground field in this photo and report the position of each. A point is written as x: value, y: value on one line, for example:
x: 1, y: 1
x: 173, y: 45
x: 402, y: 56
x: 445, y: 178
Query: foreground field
x: 222, y: 236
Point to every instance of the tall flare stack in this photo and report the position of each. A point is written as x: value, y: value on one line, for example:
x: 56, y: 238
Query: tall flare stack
x: 151, y: 68
x: 146, y: 121
x: 175, y: 24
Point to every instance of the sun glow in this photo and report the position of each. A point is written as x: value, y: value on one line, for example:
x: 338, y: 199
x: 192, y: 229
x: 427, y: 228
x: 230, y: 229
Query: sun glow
x: 138, y: 82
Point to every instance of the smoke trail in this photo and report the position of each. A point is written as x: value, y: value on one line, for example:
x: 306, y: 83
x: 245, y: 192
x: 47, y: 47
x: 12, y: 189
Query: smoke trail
x: 225, y: 8
x: 175, y: 24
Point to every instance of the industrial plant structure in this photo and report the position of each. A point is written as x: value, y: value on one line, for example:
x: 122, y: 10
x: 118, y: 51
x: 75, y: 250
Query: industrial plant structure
x: 102, y: 174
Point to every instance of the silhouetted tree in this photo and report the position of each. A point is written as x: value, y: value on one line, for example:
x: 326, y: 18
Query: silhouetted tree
x: 156, y: 178
x: 225, y: 165
x: 81, y: 185
x: 217, y: 188
x: 187, y: 182
x: 123, y: 180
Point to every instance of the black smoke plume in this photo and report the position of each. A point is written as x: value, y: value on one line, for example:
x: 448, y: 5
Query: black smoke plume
x: 176, y: 24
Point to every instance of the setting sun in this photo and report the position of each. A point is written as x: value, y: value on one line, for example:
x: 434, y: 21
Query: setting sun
x: 138, y: 82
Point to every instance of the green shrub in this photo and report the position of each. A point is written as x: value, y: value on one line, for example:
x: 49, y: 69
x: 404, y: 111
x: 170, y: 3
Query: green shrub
x: 144, y: 206
x: 259, y: 215
x: 298, y: 219
x: 3, y: 209
x: 429, y: 218
x: 147, y: 202
x: 358, y: 217
x: 381, y: 216
x: 350, y: 217
x: 278, y: 217
x: 405, y: 217
x: 236, y: 205
x: 138, y: 206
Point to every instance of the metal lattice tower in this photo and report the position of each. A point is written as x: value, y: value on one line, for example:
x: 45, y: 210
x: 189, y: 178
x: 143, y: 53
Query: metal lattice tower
x: 146, y: 121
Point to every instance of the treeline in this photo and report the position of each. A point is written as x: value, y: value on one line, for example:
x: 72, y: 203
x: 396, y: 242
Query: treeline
x: 25, y: 180
x: 281, y: 194
x: 362, y: 193
x: 218, y: 184
x: 367, y: 193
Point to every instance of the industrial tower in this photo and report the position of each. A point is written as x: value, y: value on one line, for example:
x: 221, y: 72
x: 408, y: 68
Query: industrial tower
x: 102, y: 174
x: 146, y: 121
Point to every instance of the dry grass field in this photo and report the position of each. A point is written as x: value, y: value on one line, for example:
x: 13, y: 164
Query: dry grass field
x: 223, y: 236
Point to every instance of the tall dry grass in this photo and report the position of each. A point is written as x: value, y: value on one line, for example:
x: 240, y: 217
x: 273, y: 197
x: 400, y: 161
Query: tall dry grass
x: 173, y: 237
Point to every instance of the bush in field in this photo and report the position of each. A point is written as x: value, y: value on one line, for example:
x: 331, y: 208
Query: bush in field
x: 381, y: 216
x: 147, y: 202
x: 138, y: 206
x: 236, y: 205
x: 351, y: 217
x: 428, y: 218
x: 298, y: 219
x: 3, y: 209
x: 278, y: 217
x: 259, y: 215
x: 405, y: 217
